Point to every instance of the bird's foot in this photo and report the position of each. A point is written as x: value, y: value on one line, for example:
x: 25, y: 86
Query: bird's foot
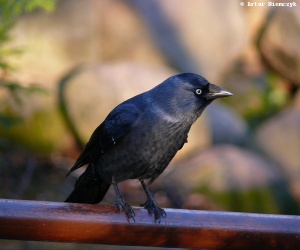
x: 122, y: 204
x: 153, y: 208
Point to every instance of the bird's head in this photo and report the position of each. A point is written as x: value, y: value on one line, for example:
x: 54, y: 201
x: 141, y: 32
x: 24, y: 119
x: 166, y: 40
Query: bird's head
x: 187, y: 94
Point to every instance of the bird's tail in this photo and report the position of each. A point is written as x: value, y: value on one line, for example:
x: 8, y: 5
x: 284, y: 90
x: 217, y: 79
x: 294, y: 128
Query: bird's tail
x: 88, y: 189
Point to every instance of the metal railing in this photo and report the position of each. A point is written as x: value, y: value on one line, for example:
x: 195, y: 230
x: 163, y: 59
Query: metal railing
x: 84, y: 223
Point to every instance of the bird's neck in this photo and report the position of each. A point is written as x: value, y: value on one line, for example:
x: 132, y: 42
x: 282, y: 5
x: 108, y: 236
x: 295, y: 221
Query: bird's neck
x: 170, y: 112
x: 163, y: 101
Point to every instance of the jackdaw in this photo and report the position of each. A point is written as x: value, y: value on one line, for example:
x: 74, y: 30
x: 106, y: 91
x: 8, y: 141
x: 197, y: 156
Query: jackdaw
x: 139, y: 138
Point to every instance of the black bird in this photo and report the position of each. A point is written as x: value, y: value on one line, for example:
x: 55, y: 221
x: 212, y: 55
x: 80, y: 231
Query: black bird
x: 139, y: 138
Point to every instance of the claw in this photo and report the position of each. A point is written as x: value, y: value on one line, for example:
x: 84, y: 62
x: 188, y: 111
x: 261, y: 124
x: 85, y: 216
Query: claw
x: 122, y: 204
x: 152, y: 207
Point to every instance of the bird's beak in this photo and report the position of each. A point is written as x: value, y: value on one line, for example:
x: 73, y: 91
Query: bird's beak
x: 217, y: 92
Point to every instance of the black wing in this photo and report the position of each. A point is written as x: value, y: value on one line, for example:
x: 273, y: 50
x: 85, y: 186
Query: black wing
x: 117, y: 124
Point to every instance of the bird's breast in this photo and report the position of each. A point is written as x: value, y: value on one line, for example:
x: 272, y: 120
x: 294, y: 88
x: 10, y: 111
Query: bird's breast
x: 145, y: 152
x: 156, y: 145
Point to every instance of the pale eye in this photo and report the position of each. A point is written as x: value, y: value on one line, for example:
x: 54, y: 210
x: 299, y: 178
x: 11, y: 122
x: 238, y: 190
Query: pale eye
x: 198, y: 91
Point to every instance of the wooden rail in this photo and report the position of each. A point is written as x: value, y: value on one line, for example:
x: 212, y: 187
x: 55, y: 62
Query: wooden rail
x: 67, y: 222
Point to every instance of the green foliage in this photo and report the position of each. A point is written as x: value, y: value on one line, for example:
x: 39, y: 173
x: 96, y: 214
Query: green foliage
x: 9, y: 11
x: 273, y: 99
x: 16, y: 92
x: 5, y: 50
x: 259, y: 98
x: 14, y: 88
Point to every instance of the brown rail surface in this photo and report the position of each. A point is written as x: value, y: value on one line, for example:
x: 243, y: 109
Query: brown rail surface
x: 66, y: 222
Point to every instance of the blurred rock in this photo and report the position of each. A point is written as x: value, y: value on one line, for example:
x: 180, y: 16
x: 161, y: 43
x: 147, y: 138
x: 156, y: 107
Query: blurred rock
x: 79, y: 32
x: 279, y: 42
x: 225, y: 167
x: 250, y: 61
x: 279, y: 137
x: 227, y: 178
x: 82, y: 32
x: 226, y: 125
x: 105, y: 86
x: 189, y: 35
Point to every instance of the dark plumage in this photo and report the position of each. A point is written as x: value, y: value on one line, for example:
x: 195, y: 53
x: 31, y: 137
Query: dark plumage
x: 139, y: 138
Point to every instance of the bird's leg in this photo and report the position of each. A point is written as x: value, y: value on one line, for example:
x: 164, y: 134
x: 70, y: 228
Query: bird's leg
x: 151, y: 206
x: 122, y: 204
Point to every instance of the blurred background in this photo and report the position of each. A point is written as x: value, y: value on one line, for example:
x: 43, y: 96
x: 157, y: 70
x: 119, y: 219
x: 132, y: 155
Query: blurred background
x: 64, y: 64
